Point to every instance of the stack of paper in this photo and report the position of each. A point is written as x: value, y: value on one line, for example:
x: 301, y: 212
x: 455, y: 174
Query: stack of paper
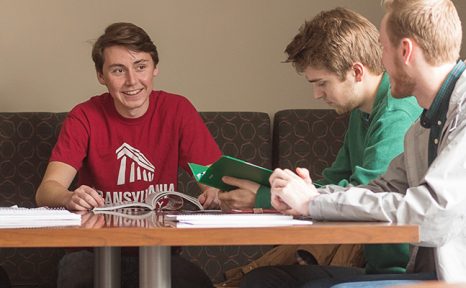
x: 234, y: 220
x: 17, y: 217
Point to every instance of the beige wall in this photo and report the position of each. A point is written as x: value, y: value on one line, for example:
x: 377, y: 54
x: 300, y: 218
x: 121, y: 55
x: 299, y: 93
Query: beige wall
x: 224, y: 55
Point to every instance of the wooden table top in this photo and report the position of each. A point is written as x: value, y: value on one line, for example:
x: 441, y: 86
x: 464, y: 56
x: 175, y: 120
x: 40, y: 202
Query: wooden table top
x: 109, y: 230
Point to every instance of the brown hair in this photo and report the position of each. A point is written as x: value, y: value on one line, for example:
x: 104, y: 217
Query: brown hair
x: 125, y: 34
x: 334, y: 40
x: 433, y: 24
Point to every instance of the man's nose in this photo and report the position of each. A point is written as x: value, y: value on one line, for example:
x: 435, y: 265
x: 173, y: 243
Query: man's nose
x: 318, y: 94
x: 130, y: 77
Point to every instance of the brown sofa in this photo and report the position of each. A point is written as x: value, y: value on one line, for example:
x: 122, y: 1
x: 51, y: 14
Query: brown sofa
x: 308, y: 138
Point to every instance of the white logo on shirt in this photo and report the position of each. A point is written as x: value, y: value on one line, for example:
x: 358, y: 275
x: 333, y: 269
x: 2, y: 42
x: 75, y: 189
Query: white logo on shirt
x: 139, y: 168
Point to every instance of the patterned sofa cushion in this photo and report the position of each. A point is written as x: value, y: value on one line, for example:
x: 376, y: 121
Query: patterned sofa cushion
x: 308, y: 138
x: 26, y: 140
x: 245, y: 135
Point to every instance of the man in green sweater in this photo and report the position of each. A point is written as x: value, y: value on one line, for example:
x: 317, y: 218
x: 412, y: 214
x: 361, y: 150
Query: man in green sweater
x: 339, y: 54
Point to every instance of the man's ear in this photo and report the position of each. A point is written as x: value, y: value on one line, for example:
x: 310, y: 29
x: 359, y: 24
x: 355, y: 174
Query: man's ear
x: 156, y: 71
x: 358, y: 71
x: 406, y: 50
x: 100, y: 77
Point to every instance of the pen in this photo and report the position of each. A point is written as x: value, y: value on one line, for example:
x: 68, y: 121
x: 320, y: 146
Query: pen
x: 255, y: 211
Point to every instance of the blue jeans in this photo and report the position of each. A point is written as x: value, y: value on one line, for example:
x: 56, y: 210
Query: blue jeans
x: 370, y: 280
x: 315, y: 276
x: 292, y: 276
x: 375, y: 284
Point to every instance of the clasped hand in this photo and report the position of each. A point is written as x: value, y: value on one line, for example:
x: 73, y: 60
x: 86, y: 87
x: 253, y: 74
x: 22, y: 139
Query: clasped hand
x: 291, y: 193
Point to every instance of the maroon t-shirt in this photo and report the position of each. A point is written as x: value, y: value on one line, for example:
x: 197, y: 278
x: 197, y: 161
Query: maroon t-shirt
x: 125, y: 159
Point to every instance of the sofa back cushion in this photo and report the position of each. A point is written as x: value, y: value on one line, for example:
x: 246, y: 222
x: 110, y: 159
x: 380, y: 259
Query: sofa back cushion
x: 26, y: 141
x: 308, y: 138
x: 245, y: 135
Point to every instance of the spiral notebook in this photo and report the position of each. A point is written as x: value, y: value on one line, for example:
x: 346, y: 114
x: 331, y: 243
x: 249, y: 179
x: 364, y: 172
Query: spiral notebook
x: 20, y: 217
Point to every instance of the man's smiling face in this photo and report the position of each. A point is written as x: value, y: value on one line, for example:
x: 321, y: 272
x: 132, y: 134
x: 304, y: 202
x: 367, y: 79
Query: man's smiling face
x: 128, y: 76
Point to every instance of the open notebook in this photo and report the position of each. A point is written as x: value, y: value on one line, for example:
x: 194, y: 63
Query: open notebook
x: 165, y: 200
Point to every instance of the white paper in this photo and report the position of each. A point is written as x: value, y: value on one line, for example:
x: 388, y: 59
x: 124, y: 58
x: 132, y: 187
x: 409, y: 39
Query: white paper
x: 20, y: 217
x: 234, y: 220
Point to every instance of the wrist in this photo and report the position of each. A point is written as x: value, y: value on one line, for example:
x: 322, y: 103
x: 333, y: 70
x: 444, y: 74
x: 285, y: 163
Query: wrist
x: 66, y: 200
x: 310, y: 201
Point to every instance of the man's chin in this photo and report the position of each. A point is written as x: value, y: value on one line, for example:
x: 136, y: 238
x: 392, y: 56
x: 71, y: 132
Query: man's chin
x: 342, y: 110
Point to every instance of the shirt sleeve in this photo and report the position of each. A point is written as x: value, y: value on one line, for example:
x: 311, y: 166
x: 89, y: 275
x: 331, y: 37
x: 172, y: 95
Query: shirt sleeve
x: 384, y: 142
x: 436, y: 203
x: 72, y: 143
x: 263, y: 197
x: 196, y: 142
x: 339, y: 172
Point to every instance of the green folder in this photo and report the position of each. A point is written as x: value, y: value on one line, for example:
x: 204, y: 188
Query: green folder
x: 229, y: 166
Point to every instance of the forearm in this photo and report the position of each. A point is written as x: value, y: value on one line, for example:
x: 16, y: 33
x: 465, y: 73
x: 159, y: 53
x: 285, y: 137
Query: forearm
x: 53, y: 194
x: 363, y: 203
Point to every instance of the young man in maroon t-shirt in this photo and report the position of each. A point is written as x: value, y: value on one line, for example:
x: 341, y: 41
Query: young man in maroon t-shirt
x: 124, y: 144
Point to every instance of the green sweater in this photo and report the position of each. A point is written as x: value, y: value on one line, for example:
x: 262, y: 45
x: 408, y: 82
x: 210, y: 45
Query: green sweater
x: 371, y: 142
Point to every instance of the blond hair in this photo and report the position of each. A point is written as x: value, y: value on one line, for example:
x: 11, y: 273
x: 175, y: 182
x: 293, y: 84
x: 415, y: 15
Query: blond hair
x: 433, y: 24
x: 334, y: 40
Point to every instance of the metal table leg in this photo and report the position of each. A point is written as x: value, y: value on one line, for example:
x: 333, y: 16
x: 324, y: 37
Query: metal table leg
x: 107, y: 267
x: 154, y: 267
